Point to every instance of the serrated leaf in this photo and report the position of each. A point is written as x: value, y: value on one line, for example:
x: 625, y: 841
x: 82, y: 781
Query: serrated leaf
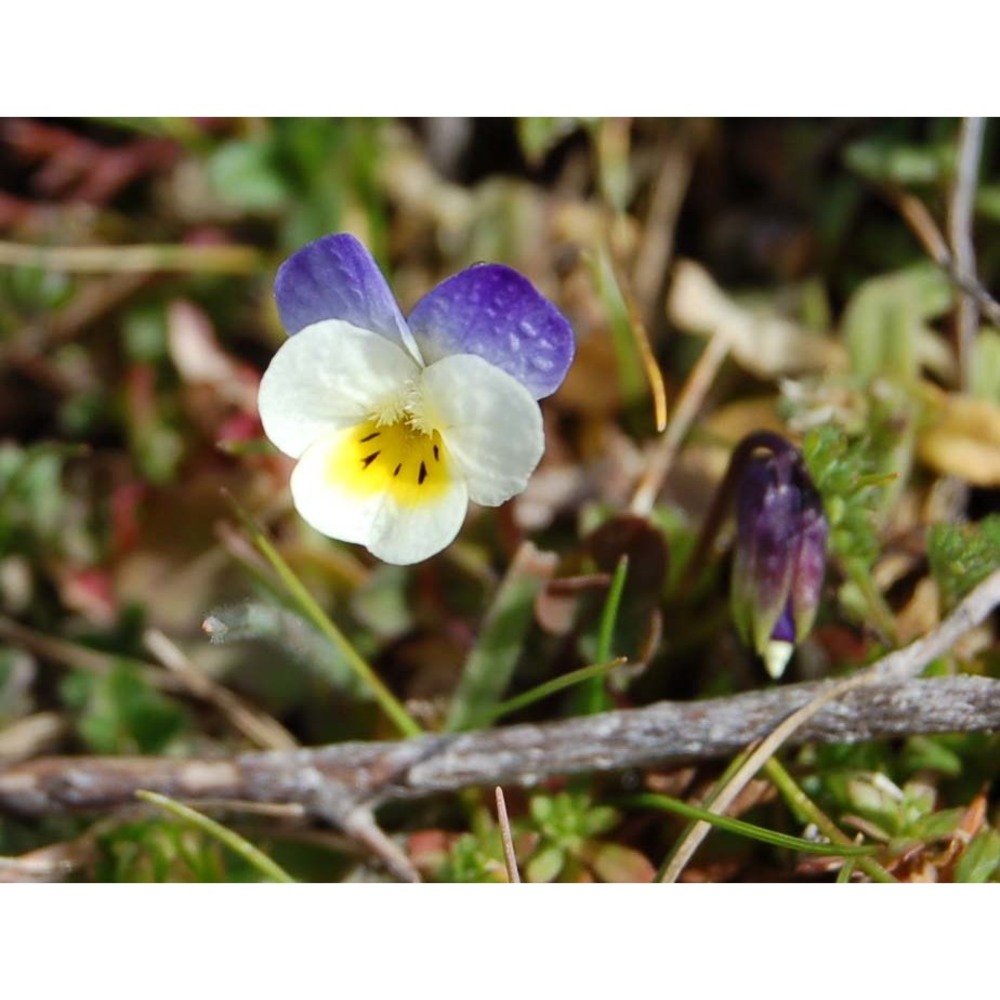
x: 962, y: 556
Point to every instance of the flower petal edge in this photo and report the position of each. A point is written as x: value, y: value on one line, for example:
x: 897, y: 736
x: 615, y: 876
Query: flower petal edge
x: 336, y: 277
x: 490, y: 423
x: 494, y: 312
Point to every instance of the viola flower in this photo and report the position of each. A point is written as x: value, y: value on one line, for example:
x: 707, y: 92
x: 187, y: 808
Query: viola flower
x: 780, y: 556
x: 398, y: 424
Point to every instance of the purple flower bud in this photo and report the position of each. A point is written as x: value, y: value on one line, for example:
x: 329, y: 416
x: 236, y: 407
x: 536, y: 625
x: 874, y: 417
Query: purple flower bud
x: 780, y: 556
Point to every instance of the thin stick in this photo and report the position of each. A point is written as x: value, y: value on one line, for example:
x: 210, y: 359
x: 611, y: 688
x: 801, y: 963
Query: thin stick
x: 656, y: 244
x: 506, y: 838
x: 360, y: 824
x: 963, y: 196
x: 83, y: 658
x: 898, y: 665
x: 724, y: 798
x: 640, y: 335
x: 923, y: 226
x: 688, y: 404
x: 258, y: 727
x: 805, y: 806
x: 331, y: 781
x: 139, y: 257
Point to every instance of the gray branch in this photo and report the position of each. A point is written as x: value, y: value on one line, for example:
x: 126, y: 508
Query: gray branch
x: 343, y: 783
x: 335, y: 782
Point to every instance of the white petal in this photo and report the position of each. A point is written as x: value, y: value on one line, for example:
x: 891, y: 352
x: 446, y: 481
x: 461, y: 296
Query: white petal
x: 397, y: 521
x: 330, y: 375
x: 489, y: 421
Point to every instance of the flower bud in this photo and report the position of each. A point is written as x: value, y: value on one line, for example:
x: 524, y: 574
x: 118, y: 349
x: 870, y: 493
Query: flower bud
x: 780, y: 555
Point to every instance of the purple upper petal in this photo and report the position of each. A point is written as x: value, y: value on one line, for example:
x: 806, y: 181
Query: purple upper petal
x: 335, y: 277
x: 493, y: 311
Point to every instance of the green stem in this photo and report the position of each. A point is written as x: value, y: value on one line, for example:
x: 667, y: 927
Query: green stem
x: 734, y: 765
x: 879, y: 610
x: 556, y: 684
x: 596, y: 697
x: 224, y: 835
x: 751, y: 830
x: 404, y: 722
x: 808, y: 811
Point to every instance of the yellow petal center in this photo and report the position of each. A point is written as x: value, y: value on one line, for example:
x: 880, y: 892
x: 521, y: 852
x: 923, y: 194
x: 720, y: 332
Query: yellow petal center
x: 410, y: 465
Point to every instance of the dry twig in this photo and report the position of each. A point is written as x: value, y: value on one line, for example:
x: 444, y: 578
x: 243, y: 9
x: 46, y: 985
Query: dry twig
x: 507, y: 838
x: 970, y: 147
x: 342, y: 784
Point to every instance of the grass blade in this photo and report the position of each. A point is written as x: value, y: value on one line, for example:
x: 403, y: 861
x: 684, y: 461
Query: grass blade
x: 553, y: 686
x: 491, y: 662
x: 314, y: 614
x: 246, y: 850
x: 751, y: 830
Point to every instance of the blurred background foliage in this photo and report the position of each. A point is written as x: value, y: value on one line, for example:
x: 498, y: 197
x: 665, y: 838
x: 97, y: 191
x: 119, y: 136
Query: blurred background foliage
x: 136, y: 258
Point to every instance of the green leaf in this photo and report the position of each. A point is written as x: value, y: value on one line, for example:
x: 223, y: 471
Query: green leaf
x: 32, y: 500
x: 473, y: 859
x: 245, y: 175
x: 843, y: 472
x: 515, y: 704
x: 538, y: 136
x: 985, y: 374
x: 885, y: 317
x: 928, y: 753
x: 898, y: 163
x: 988, y: 201
x: 491, y: 663
x: 617, y: 863
x: 252, y: 855
x: 542, y: 808
x: 145, y: 333
x: 962, y: 556
x: 980, y: 861
x: 937, y: 826
x: 325, y: 625
x: 164, y: 851
x: 630, y: 372
x: 546, y: 865
x: 598, y: 820
x: 121, y: 714
x: 380, y: 603
x: 744, y: 829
